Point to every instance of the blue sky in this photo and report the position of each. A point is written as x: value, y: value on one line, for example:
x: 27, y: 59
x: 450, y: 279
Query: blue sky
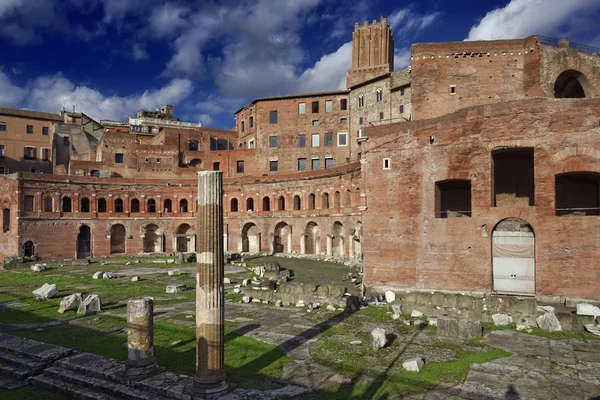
x: 111, y: 58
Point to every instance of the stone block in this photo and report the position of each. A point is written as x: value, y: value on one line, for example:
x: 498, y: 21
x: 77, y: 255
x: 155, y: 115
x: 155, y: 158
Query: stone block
x: 423, y: 299
x: 580, y: 321
x: 464, y: 302
x: 47, y: 291
x: 70, y: 302
x: 179, y: 287
x: 437, y: 299
x: 455, y: 328
x: 39, y: 267
x: 501, y: 319
x: 98, y: 275
x: 565, y: 320
x: 525, y: 322
x: 492, y: 303
x: 409, y: 298
x: 390, y: 296
x: 526, y: 306
x: 588, y: 309
x: 173, y: 272
x: 90, y: 305
x: 379, y: 339
x: 413, y: 364
x: 549, y: 323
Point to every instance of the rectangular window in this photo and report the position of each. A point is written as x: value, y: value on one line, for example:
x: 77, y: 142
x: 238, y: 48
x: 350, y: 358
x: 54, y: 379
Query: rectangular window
x: 301, y: 164
x: 30, y: 129
x: 240, y: 166
x: 402, y: 92
x: 6, y: 220
x: 344, y: 121
x: 513, y: 177
x: 577, y: 193
x: 453, y: 89
x: 28, y: 206
x: 453, y: 199
x: 216, y: 166
x: 343, y: 104
x: 273, y: 117
x: 2, y: 151
x: 30, y: 153
x: 2, y: 126
x: 401, y: 109
x: 251, y: 144
x: 314, y: 140
x: 328, y: 162
x: 243, y: 126
x: 301, y: 108
x: 360, y: 121
x: 316, y: 163
x: 315, y: 122
x: 45, y: 130
x: 342, y: 139
x: 251, y: 122
x: 302, y: 140
x: 273, y: 142
x: 315, y: 107
x: 387, y: 163
x: 273, y: 166
x: 46, y: 154
x: 380, y: 115
x: 329, y: 139
x: 328, y: 106
x: 119, y: 158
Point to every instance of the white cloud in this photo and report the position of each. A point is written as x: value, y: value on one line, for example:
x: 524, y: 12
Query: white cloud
x: 401, y: 58
x: 205, y: 119
x: 521, y: 18
x: 7, y: 6
x: 138, y: 52
x: 406, y: 21
x: 52, y: 93
x: 329, y: 72
x: 167, y: 19
x: 20, y: 20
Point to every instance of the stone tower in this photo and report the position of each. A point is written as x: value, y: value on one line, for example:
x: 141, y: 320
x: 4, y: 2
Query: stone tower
x: 372, y: 52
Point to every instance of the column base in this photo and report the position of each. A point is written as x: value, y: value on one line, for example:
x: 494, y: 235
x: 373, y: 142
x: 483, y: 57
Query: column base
x: 139, y: 373
x: 198, y: 390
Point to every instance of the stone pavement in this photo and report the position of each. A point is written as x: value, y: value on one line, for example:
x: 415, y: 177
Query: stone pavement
x: 538, y: 369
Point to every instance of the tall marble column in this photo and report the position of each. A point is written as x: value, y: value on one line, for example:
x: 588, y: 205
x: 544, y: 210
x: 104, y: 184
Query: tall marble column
x: 209, y: 380
x: 141, y: 362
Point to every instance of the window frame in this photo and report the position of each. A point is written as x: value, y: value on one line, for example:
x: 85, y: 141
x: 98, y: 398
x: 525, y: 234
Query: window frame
x: 339, y: 136
x: 327, y: 143
x: 312, y: 140
x: 299, y: 160
x: 273, y: 117
x: 328, y: 106
x: 301, y: 108
x: 45, y: 131
x: 3, y: 127
x: 315, y: 107
x: 343, y: 104
x: 29, y: 129
x: 122, y: 158
x: 312, y: 164
x: 239, y: 166
x: 271, y: 139
x: 273, y: 165
x: 331, y: 162
x: 303, y: 136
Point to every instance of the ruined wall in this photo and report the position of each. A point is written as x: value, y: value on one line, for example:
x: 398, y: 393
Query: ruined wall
x: 407, y: 246
x: 480, y: 72
x: 9, y: 225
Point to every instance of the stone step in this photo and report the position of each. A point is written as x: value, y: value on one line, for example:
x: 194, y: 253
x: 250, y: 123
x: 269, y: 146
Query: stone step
x: 109, y: 387
x: 71, y: 389
x: 20, y: 361
x: 18, y: 372
x: 38, y: 351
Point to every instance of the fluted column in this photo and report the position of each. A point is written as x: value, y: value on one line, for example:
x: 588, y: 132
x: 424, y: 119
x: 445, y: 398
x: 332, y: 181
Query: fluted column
x: 141, y: 362
x: 209, y: 380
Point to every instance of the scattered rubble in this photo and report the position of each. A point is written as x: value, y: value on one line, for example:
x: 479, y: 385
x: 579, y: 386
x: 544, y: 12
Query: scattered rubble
x: 47, y: 291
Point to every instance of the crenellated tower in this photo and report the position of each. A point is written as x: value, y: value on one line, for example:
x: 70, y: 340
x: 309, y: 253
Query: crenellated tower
x: 372, y: 52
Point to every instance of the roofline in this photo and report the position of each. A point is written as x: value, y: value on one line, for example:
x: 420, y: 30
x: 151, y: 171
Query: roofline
x: 297, y: 95
x: 42, y: 115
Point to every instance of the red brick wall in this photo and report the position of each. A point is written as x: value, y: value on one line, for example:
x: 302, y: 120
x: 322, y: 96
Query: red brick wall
x: 407, y: 246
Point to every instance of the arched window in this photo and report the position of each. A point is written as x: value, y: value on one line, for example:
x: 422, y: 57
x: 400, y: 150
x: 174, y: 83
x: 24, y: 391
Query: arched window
x: 266, y: 203
x: 168, y: 206
x: 135, y: 206
x: 119, y: 205
x: 297, y: 203
x: 251, y: 122
x: 193, y: 145
x: 379, y: 94
x: 151, y: 205
x: 84, y: 205
x: 233, y: 206
x: 48, y: 204
x: 361, y: 100
x: 250, y: 204
x: 66, y: 204
x: 311, y: 201
x: 281, y: 203
x: 183, y: 205
x: 336, y: 200
x: 347, y: 198
x: 95, y: 172
x: 101, y: 205
x: 325, y: 200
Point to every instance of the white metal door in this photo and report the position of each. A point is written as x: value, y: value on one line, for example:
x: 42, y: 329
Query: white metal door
x: 514, y: 262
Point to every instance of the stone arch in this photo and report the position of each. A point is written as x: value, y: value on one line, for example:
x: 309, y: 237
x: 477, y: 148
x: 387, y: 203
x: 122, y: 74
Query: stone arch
x: 102, y: 205
x: 282, y: 238
x: 356, y: 242
x: 297, y: 203
x: 183, y: 205
x: 153, y: 239
x: 168, y: 205
x: 571, y: 84
x: 151, y: 206
x: 312, y: 199
x: 195, y: 163
x: 347, y: 198
x: 28, y: 249
x: 84, y: 242
x: 266, y: 203
x: 281, y: 203
x: 325, y: 200
x: 84, y: 205
x: 48, y: 203
x: 337, y: 199
x: 313, y: 238
x: 233, y: 205
x: 249, y: 204
x: 184, y: 239
x: 337, y: 239
x: 119, y: 205
x: 117, y: 239
x: 250, y: 238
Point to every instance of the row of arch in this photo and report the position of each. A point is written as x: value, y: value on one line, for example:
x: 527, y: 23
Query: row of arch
x: 297, y: 202
x: 66, y: 205
x: 339, y: 242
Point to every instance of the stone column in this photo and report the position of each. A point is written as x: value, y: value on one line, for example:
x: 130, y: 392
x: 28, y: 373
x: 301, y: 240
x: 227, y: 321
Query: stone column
x: 141, y: 362
x: 209, y: 380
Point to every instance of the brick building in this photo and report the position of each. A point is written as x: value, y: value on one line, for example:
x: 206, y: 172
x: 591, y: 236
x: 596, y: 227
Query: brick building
x: 475, y: 169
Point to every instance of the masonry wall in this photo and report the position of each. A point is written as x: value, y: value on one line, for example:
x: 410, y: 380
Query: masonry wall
x: 406, y: 246
x: 481, y: 72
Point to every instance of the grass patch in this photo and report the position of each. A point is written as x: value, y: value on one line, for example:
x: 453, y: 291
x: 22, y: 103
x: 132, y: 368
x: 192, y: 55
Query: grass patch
x: 29, y: 393
x: 235, y: 297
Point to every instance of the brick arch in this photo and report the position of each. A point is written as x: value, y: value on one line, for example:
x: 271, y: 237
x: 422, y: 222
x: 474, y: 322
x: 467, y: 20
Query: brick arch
x: 519, y: 143
x: 576, y: 151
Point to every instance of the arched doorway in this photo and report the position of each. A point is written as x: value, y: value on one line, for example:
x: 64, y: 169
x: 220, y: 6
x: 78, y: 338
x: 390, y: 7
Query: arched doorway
x: 152, y: 239
x: 337, y: 240
x: 28, y: 249
x: 282, y: 238
x: 84, y: 242
x: 312, y: 238
x: 571, y: 84
x: 356, y: 242
x: 185, y: 239
x: 117, y: 239
x: 250, y: 238
x: 513, y: 257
